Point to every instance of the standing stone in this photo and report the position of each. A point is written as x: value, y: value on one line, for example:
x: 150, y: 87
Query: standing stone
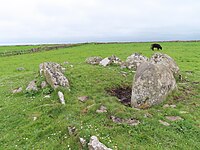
x: 135, y: 60
x: 32, y: 86
x: 166, y: 60
x: 152, y: 83
x: 96, y: 145
x: 61, y: 97
x: 53, y: 74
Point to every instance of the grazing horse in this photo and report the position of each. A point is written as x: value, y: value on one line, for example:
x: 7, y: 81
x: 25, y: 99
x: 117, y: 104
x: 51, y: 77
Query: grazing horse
x: 156, y: 46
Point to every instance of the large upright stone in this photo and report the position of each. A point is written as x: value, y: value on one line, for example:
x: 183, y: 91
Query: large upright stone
x: 152, y: 83
x: 166, y: 60
x: 135, y: 60
x: 53, y: 74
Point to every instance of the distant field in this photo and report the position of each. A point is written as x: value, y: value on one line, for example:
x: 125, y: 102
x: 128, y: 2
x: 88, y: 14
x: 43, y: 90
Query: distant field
x: 49, y: 131
x: 16, y: 48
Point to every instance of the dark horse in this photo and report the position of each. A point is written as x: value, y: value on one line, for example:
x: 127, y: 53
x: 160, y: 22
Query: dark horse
x: 156, y: 46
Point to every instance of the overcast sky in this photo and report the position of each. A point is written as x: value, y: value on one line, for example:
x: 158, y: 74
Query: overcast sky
x: 65, y: 21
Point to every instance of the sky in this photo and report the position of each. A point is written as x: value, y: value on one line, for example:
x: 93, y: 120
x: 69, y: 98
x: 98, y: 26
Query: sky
x: 72, y: 21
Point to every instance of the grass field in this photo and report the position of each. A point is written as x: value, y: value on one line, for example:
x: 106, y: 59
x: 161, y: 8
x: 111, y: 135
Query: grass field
x: 19, y: 130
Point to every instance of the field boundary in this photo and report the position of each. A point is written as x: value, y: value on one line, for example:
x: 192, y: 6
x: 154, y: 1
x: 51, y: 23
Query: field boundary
x: 39, y: 49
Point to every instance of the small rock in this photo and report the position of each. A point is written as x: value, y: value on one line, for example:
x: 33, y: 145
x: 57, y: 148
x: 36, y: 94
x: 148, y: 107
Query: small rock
x: 34, y: 118
x: 173, y: 106
x: 63, y: 69
x: 164, y: 123
x: 20, y: 69
x: 82, y: 141
x: 83, y: 98
x: 167, y: 106
x: 102, y: 109
x: 183, y: 112
x: 106, y: 61
x: 47, y: 96
x: 32, y: 86
x: 131, y: 121
x: 65, y: 62
x: 94, y: 60
x: 17, y: 90
x: 115, y: 60
x: 71, y: 130
x: 148, y: 115
x: 95, y: 144
x: 43, y: 84
x: 61, y: 97
x: 174, y: 118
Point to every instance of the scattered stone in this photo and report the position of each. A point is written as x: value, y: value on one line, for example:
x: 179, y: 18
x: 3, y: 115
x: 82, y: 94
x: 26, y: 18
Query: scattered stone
x: 167, y: 106
x: 173, y: 106
x: 65, y: 62
x: 72, y: 130
x: 53, y: 74
x: 63, y: 69
x: 43, y: 84
x: 82, y: 141
x: 34, y: 118
x: 174, y: 118
x: 183, y: 112
x: 20, y: 69
x: 32, y: 86
x: 131, y: 121
x: 189, y: 72
x: 17, y: 90
x: 71, y: 66
x: 152, y: 83
x: 95, y: 144
x: 148, y: 115
x: 110, y: 60
x: 135, y: 60
x: 61, y: 97
x: 102, y: 109
x: 47, y: 96
x: 115, y: 60
x: 106, y: 61
x: 164, y: 123
x: 83, y: 98
x: 123, y: 65
x: 94, y: 60
x: 166, y: 60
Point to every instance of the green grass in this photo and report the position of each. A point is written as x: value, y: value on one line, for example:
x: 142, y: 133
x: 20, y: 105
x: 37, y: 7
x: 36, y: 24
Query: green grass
x: 19, y: 130
x: 17, y: 48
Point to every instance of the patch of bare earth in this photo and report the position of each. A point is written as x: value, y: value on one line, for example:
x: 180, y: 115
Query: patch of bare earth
x: 122, y: 93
